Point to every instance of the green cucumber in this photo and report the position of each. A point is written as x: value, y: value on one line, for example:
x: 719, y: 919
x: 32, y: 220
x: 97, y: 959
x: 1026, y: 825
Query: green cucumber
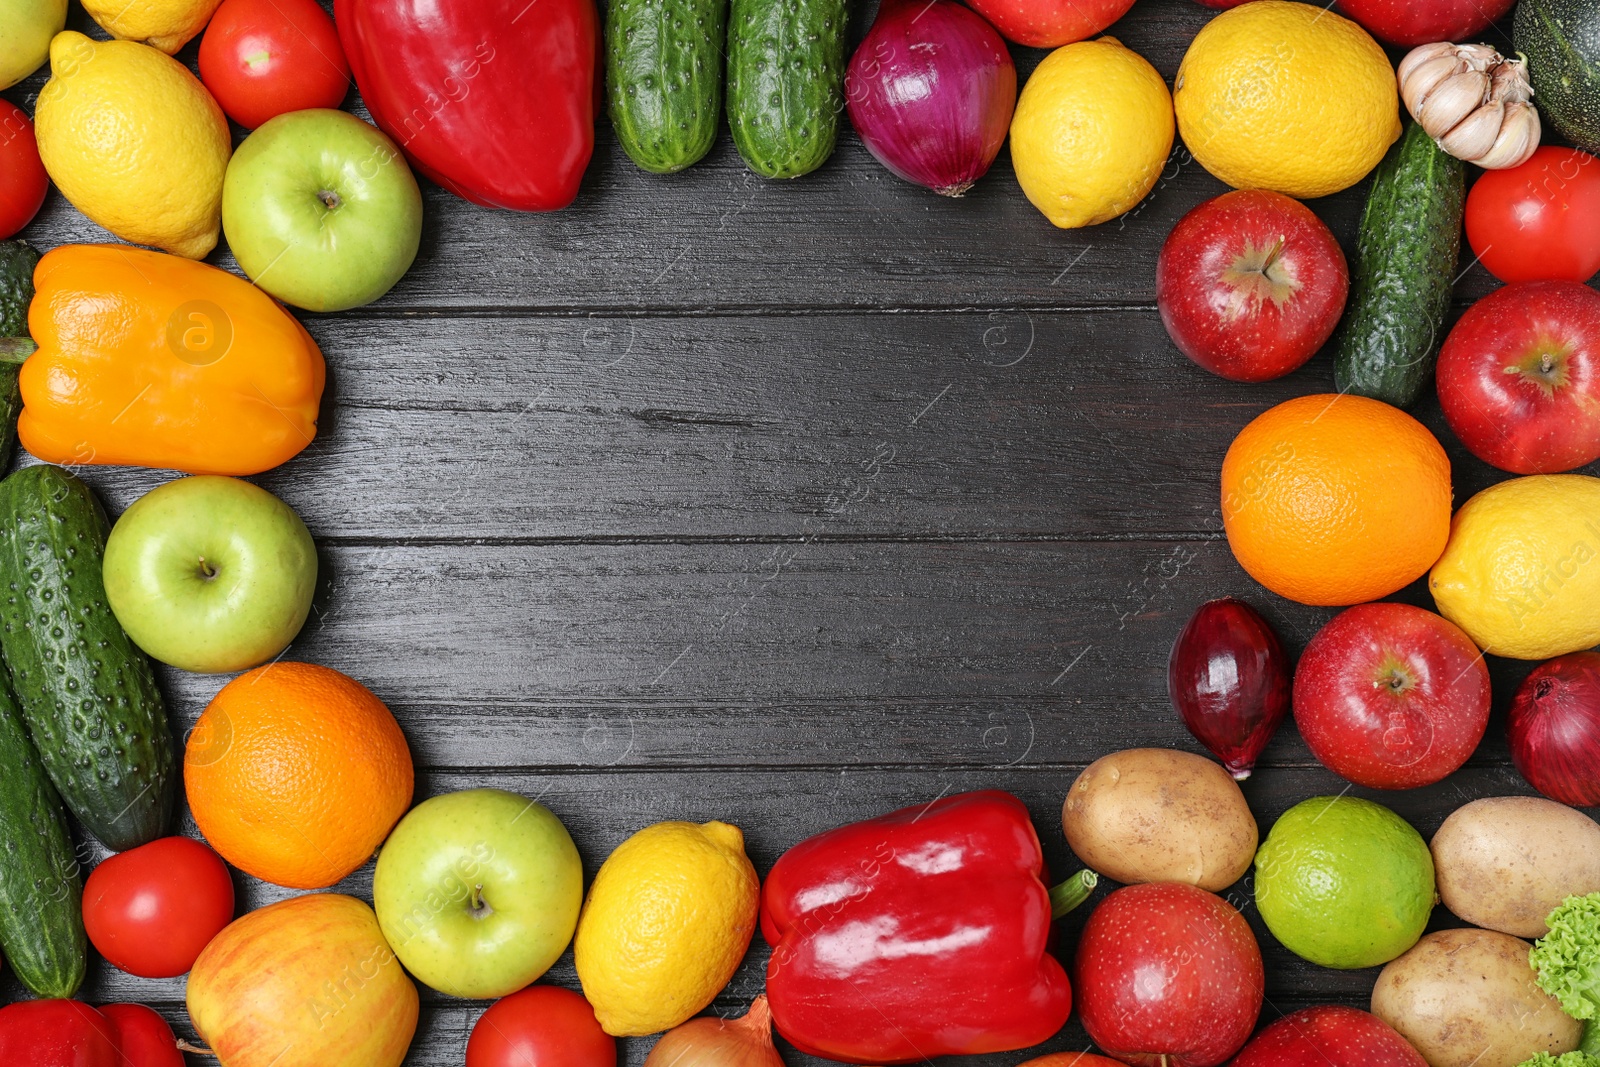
x: 17, y: 261
x: 664, y: 79
x: 786, y: 82
x: 1405, y: 266
x: 41, y: 917
x: 1561, y: 40
x: 87, y: 692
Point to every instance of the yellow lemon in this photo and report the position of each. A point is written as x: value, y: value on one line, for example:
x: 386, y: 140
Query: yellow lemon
x: 1521, y: 573
x: 667, y: 921
x: 1091, y: 133
x: 164, y: 24
x: 135, y: 142
x: 1286, y: 96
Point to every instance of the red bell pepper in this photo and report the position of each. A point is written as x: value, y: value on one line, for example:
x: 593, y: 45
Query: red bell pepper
x: 920, y: 933
x: 492, y: 99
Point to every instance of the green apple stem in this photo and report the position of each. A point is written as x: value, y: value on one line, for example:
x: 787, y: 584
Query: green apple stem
x: 14, y: 351
x: 480, y: 907
x: 1072, y: 892
x: 207, y: 571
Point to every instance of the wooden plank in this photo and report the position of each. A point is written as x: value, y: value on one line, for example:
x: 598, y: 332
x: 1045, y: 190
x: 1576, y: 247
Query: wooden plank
x: 849, y: 236
x: 967, y: 426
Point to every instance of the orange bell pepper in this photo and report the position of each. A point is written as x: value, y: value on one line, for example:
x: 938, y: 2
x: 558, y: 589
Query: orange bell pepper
x: 152, y: 360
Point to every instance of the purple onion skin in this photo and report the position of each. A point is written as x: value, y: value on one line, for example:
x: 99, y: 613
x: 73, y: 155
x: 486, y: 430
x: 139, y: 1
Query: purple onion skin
x: 930, y: 91
x: 1555, y: 729
x: 1229, y: 679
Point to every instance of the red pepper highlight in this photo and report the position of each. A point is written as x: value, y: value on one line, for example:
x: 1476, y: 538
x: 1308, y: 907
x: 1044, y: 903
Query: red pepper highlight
x: 917, y: 934
x: 492, y: 99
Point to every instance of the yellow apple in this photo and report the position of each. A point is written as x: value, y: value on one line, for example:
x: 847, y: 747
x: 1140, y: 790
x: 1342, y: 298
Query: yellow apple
x: 306, y: 982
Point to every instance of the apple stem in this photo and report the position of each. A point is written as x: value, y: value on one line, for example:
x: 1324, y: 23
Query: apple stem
x: 330, y: 199
x: 16, y: 350
x: 480, y: 907
x: 207, y: 569
x: 1072, y: 892
x: 198, y: 1050
x: 1272, y: 256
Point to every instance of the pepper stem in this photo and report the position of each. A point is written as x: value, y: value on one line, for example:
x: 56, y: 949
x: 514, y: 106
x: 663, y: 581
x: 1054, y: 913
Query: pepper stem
x: 1072, y: 892
x: 14, y: 351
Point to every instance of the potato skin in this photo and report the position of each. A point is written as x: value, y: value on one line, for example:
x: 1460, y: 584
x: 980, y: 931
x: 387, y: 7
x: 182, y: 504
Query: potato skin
x: 1505, y: 863
x: 1158, y: 815
x: 1468, y: 997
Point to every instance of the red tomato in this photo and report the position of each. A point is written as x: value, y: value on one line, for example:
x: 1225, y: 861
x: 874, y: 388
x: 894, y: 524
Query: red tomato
x: 56, y: 1033
x: 262, y: 58
x: 151, y: 910
x: 1050, y: 23
x: 542, y: 1026
x: 143, y: 1036
x: 1539, y: 222
x: 22, y: 178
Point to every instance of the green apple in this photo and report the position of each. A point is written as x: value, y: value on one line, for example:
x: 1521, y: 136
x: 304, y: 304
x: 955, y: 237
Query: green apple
x: 210, y: 574
x: 321, y: 210
x: 478, y: 892
x: 26, y: 27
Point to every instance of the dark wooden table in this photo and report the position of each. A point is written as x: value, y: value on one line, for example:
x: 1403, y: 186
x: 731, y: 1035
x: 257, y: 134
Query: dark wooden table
x: 785, y: 503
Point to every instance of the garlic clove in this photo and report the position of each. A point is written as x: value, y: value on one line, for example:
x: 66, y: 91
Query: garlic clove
x: 1519, y: 138
x: 1509, y: 82
x: 1481, y: 57
x: 1425, y: 79
x: 1425, y: 54
x: 1475, y: 135
x: 1455, y: 98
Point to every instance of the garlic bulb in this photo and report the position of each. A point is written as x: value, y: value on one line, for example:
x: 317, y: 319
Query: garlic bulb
x: 1475, y: 103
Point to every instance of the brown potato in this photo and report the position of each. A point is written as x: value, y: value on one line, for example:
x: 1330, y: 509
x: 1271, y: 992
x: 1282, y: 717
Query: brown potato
x: 1468, y: 997
x: 1504, y: 863
x: 1156, y: 815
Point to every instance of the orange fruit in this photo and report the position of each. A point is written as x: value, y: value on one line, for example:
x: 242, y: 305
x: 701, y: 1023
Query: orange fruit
x: 296, y: 773
x: 1336, y: 499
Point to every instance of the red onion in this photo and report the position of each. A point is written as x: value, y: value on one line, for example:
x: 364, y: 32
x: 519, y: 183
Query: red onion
x: 931, y: 91
x: 1555, y: 729
x: 1229, y: 679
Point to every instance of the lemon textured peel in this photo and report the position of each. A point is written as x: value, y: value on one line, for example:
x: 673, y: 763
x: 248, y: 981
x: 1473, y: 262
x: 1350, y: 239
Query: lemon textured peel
x: 135, y: 142
x: 1092, y: 132
x: 1287, y: 96
x: 667, y: 920
x: 164, y: 24
x: 1521, y: 571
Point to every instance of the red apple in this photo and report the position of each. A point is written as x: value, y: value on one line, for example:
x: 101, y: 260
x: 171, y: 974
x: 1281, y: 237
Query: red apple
x: 1391, y: 696
x: 1519, y: 377
x: 1050, y: 23
x: 1251, y: 284
x: 1168, y: 975
x: 1329, y: 1036
x: 1414, y: 22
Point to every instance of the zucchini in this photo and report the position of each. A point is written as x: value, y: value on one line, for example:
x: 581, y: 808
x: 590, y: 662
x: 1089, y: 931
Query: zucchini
x: 1404, y: 269
x: 1561, y: 40
x: 88, y: 694
x: 41, y: 918
x: 664, y: 79
x: 786, y: 82
x: 17, y: 261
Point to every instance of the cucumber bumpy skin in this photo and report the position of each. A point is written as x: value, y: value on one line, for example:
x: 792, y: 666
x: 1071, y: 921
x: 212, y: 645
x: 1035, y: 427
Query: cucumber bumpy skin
x: 87, y: 692
x: 664, y: 79
x: 786, y: 82
x: 17, y: 261
x: 1404, y: 269
x: 41, y: 916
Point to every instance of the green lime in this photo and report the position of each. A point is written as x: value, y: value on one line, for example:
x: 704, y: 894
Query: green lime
x: 1344, y: 882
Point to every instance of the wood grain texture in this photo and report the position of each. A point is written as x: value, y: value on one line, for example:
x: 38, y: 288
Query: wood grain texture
x: 961, y: 426
x: 786, y: 503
